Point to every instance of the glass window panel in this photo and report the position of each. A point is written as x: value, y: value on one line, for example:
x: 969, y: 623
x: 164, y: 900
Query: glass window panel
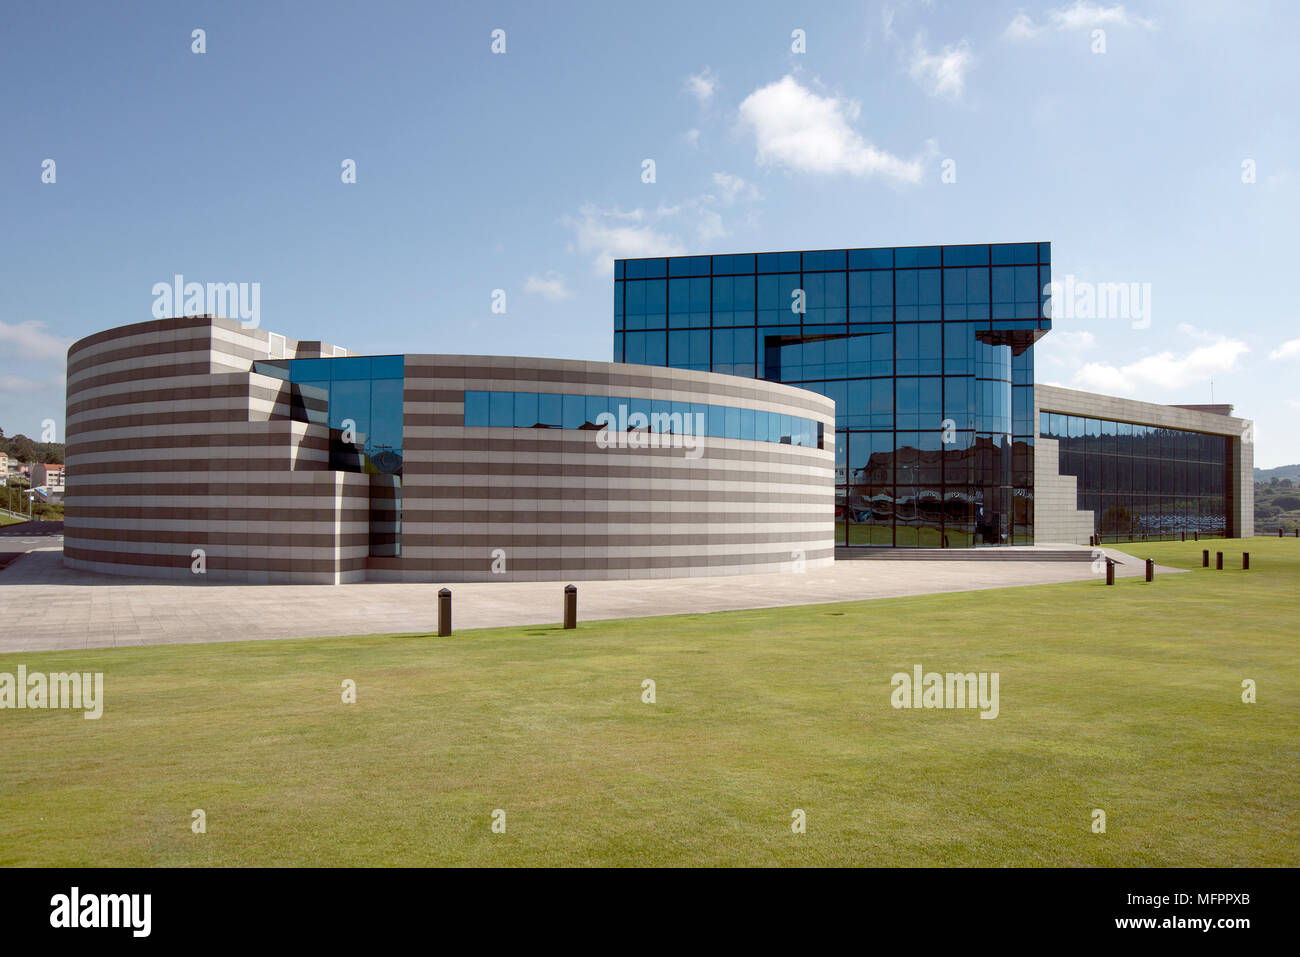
x: 656, y: 302
x: 550, y: 410
x: 596, y: 404
x: 717, y: 422
x: 871, y: 258
x: 574, y: 411
x: 476, y: 409
x: 916, y: 256
x: 656, y: 349
x: 501, y: 410
x: 387, y: 367
x: 525, y: 410
x: 966, y: 255
x: 731, y: 423
x: 352, y: 367
x: 350, y: 402
x: 748, y: 427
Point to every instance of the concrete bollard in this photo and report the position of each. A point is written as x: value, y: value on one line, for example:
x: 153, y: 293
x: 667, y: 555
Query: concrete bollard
x: 1218, y: 561
x: 570, y: 606
x: 1205, y: 558
x: 1245, y: 561
x: 1151, y: 569
x: 1110, y: 571
x: 444, y: 612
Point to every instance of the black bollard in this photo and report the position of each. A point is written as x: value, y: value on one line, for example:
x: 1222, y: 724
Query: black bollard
x: 1205, y: 558
x: 1218, y: 561
x: 444, y: 612
x: 1245, y: 561
x: 1196, y: 536
x: 1184, y: 536
x: 570, y: 606
x: 1279, y: 533
x: 1151, y: 569
x: 1110, y: 571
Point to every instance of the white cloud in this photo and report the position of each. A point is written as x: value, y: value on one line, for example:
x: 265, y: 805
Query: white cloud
x: 709, y: 227
x: 613, y: 233
x: 1080, y: 15
x: 29, y: 340
x: 1021, y: 27
x: 1164, y: 369
x: 551, y: 286
x: 734, y: 189
x: 943, y: 73
x: 798, y: 130
x: 702, y: 86
x: 1287, y: 350
x: 1083, y: 14
x: 691, y: 138
x: 19, y: 384
x: 609, y: 234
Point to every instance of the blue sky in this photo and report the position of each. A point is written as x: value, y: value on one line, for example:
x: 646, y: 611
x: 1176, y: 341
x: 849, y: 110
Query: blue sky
x: 522, y: 171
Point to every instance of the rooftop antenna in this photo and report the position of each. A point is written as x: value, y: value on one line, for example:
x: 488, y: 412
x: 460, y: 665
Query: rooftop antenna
x: 1211, y: 392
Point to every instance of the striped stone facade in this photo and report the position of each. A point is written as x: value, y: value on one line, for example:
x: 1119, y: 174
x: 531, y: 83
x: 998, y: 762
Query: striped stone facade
x: 176, y: 447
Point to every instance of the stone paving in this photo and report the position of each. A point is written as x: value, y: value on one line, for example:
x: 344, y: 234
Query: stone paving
x: 46, y: 606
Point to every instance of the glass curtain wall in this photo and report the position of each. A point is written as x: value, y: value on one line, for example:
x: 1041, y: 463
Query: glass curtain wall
x: 1142, y: 481
x: 926, y: 351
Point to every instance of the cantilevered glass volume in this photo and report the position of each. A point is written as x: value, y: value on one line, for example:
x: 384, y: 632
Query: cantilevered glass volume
x: 926, y: 351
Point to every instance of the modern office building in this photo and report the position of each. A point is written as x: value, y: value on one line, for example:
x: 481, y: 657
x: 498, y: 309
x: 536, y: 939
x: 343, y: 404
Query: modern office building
x: 763, y: 410
x: 942, y: 436
x: 197, y: 445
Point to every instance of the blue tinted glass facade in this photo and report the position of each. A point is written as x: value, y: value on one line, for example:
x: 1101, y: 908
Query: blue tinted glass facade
x: 927, y: 352
x: 1143, y: 482
x: 548, y: 410
x: 360, y: 399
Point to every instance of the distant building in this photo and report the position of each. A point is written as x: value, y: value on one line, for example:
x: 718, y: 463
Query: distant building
x: 4, y: 465
x: 49, y: 476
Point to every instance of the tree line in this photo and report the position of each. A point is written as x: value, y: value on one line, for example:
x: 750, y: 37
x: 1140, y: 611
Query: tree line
x: 20, y: 448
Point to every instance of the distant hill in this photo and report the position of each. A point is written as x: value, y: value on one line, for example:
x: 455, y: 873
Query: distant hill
x: 22, y: 449
x: 1291, y: 472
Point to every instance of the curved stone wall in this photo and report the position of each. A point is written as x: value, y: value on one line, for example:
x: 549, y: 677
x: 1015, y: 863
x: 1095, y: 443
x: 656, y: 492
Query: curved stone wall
x: 183, y: 460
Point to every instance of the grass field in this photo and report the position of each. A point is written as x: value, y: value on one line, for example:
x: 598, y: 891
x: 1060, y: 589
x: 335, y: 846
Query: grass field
x: 9, y: 520
x: 1126, y: 699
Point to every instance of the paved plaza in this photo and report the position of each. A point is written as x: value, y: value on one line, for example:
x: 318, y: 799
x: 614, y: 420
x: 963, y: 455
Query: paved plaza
x: 47, y: 606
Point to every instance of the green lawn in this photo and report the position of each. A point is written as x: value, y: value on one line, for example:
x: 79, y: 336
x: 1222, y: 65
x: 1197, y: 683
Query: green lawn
x: 9, y: 519
x: 1126, y: 699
